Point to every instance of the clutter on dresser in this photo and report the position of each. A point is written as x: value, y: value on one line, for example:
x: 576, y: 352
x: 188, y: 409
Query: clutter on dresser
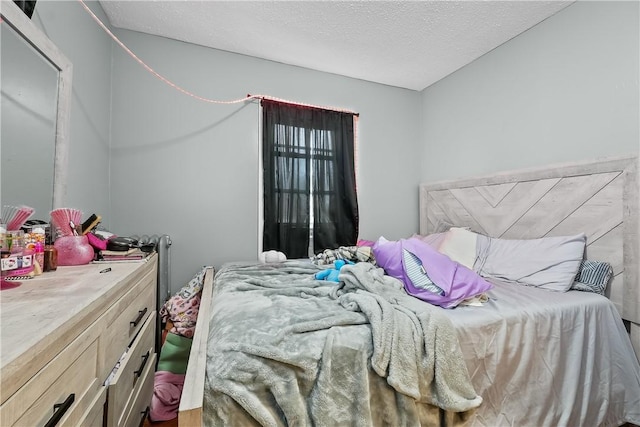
x: 17, y: 259
x: 91, y: 223
x: 50, y: 258
x: 13, y: 217
x: 66, y: 221
x: 131, y: 254
x: 73, y: 250
x: 73, y: 247
x: 35, y: 233
x: 120, y: 248
x: 39, y: 236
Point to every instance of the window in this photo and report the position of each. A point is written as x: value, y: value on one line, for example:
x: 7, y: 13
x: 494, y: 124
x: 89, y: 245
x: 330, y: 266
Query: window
x: 310, y: 201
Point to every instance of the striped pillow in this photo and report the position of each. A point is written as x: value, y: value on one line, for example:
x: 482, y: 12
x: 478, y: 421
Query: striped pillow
x: 593, y: 276
x: 417, y: 274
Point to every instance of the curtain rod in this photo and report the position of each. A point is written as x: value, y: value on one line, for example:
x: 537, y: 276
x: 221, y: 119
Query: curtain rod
x: 320, y: 107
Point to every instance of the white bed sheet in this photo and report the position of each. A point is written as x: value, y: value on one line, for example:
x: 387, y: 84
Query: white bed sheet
x: 544, y: 358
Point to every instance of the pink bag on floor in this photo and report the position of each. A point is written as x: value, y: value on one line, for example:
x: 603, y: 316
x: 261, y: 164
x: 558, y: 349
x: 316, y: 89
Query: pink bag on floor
x: 167, y: 388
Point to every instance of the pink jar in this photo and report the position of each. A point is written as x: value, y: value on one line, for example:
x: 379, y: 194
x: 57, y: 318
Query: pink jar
x: 16, y: 258
x: 73, y: 250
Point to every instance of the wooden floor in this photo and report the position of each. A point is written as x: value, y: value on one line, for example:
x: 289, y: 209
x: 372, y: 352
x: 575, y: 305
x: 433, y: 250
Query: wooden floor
x: 170, y: 423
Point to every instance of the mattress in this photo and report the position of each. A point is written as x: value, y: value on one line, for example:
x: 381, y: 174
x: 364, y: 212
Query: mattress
x: 545, y: 358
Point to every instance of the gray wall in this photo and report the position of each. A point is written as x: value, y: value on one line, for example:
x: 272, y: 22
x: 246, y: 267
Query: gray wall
x: 566, y: 90
x: 89, y: 49
x: 191, y: 169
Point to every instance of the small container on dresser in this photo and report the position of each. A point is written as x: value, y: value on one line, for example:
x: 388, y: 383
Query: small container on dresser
x: 50, y: 258
x: 58, y: 350
x: 73, y: 250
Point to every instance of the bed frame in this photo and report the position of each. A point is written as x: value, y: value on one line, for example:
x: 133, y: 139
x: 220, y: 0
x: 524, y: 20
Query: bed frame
x: 599, y: 198
x: 192, y: 399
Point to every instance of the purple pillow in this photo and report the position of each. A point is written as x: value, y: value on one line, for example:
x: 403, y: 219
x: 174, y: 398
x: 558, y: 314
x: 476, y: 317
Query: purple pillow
x: 456, y: 281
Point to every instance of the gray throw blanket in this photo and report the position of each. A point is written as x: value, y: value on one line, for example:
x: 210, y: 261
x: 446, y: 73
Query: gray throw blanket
x: 400, y: 322
x: 286, y: 349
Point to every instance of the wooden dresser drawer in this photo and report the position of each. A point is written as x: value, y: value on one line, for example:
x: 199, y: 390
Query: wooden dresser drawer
x: 62, y: 334
x: 125, y: 319
x: 77, y: 383
x: 130, y: 377
x: 94, y: 416
x: 141, y: 399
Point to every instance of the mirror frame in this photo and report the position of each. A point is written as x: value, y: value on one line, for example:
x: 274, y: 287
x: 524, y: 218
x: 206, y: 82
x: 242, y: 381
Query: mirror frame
x: 14, y: 17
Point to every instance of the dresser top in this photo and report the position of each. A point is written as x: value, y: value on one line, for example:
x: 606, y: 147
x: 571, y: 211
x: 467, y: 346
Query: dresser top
x: 45, y: 308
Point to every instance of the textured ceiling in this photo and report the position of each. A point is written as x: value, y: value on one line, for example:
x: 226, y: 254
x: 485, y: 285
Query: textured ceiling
x: 408, y: 44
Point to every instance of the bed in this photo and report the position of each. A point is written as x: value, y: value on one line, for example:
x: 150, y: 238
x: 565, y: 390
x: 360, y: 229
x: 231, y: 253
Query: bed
x: 273, y: 346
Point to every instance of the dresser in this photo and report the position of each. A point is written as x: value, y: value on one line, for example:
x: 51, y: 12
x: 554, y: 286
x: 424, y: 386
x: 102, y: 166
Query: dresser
x: 77, y: 346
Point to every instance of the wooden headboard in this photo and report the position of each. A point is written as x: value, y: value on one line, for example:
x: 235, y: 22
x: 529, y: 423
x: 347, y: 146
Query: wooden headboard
x: 599, y: 198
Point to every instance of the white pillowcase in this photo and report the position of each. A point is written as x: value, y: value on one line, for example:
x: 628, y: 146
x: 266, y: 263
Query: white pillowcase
x: 460, y: 245
x: 548, y: 262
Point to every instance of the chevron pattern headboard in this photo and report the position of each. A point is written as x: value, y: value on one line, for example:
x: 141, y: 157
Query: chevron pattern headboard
x: 598, y: 198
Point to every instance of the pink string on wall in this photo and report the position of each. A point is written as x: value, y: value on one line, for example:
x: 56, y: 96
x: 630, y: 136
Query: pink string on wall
x: 189, y: 93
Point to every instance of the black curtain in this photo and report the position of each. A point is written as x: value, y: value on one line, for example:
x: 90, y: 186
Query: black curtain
x: 308, y: 152
x: 27, y: 6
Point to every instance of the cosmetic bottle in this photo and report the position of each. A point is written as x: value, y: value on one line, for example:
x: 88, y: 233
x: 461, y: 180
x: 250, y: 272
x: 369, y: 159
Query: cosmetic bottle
x: 50, y: 251
x: 50, y: 258
x: 39, y: 255
x: 37, y: 238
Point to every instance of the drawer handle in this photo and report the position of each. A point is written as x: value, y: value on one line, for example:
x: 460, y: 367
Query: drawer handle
x: 141, y: 314
x: 59, y: 410
x: 144, y: 362
x: 145, y: 415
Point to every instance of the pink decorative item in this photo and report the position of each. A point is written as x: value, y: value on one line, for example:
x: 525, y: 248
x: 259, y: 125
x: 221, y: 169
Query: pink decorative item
x: 5, y: 284
x: 97, y: 242
x: 15, y: 216
x: 73, y: 250
x: 65, y: 221
x: 17, y: 259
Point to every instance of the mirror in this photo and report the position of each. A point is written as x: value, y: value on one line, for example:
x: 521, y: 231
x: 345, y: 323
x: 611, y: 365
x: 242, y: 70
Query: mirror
x: 36, y: 95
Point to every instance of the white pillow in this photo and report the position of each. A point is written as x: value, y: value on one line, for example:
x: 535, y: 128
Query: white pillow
x: 548, y: 262
x: 460, y: 245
